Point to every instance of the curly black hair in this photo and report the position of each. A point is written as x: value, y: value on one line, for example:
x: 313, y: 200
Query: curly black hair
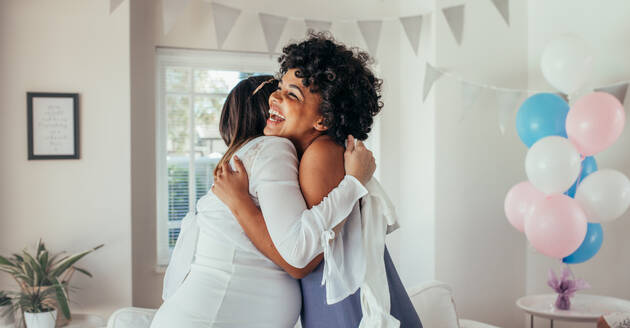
x: 351, y: 93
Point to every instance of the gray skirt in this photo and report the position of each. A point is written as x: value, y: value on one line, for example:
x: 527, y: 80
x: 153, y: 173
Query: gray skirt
x: 347, y: 313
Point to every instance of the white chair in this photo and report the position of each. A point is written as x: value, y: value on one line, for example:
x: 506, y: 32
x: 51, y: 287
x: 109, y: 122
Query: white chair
x: 435, y: 305
x: 131, y: 317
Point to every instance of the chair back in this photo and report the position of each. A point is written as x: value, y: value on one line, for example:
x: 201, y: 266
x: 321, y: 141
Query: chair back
x: 434, y: 303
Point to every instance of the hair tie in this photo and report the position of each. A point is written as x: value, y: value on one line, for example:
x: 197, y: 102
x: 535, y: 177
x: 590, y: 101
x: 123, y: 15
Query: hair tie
x: 261, y: 85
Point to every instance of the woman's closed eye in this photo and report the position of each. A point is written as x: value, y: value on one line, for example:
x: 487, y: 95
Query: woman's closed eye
x: 291, y: 94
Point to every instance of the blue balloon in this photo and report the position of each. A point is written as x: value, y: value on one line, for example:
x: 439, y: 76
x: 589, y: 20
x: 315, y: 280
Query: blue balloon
x: 589, y: 165
x: 541, y: 115
x: 590, y: 246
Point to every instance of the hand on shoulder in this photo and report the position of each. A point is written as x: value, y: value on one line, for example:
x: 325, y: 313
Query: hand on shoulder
x: 359, y: 161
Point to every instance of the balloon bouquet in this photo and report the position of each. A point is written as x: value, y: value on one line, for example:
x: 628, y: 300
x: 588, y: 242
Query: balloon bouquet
x: 566, y: 198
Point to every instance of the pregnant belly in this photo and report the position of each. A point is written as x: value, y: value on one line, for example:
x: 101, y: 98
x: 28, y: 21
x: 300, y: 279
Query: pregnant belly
x: 241, y: 289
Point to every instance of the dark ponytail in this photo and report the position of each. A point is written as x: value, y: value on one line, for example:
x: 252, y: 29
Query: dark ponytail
x: 245, y: 113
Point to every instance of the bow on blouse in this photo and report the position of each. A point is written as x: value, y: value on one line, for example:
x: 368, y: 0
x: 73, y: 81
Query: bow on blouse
x: 326, y: 238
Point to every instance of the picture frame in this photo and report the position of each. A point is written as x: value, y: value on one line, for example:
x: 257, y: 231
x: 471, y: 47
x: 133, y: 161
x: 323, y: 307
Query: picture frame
x: 53, y: 125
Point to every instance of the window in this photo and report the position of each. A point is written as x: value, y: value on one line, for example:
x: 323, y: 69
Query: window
x: 192, y: 86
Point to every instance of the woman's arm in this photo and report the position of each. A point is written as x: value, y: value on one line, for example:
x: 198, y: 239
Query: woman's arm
x: 298, y: 240
x: 251, y: 219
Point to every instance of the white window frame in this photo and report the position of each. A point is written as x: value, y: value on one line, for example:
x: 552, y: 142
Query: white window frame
x: 204, y: 59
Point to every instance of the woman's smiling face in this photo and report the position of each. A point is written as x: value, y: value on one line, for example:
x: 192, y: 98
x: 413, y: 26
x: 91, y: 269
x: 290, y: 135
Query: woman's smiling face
x: 294, y: 111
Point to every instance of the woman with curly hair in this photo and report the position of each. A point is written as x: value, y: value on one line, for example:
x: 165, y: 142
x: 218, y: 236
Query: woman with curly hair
x: 326, y: 93
x: 229, y: 283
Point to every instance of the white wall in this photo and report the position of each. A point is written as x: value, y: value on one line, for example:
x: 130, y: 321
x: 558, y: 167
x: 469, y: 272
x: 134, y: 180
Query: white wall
x: 412, y: 143
x: 606, y: 28
x: 476, y: 250
x: 69, y: 46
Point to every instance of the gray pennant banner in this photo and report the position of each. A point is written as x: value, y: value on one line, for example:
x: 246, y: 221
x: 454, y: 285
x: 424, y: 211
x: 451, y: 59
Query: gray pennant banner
x: 503, y: 6
x: 224, y: 19
x: 412, y: 26
x: 469, y: 93
x: 371, y: 31
x: 455, y: 19
x: 318, y: 25
x: 619, y: 91
x: 430, y: 76
x: 114, y: 4
x: 272, y: 26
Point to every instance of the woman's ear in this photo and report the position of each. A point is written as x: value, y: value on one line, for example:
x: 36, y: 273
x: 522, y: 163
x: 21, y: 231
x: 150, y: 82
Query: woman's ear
x: 320, y: 125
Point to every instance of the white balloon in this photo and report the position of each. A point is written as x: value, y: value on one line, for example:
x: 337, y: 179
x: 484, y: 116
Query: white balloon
x: 567, y: 63
x: 553, y: 164
x: 604, y: 195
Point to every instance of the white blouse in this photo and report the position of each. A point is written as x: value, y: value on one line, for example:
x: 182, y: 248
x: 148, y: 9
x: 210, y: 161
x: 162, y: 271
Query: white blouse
x: 298, y: 233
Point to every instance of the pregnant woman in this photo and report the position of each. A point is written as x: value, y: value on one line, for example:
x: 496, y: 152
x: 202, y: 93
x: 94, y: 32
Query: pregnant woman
x: 230, y: 283
x: 327, y: 92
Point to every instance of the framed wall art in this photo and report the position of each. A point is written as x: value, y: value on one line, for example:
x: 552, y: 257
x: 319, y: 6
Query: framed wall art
x: 53, y: 125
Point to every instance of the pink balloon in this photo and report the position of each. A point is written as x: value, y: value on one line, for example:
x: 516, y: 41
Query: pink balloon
x: 557, y: 226
x: 519, y: 202
x: 595, y: 121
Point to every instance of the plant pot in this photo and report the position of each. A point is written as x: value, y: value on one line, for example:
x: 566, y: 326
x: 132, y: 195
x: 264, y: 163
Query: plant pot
x: 40, y: 320
x: 61, y: 319
x: 8, y: 320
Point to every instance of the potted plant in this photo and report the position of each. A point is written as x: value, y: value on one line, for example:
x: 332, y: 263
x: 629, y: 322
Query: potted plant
x: 37, y: 307
x: 6, y: 316
x: 42, y: 272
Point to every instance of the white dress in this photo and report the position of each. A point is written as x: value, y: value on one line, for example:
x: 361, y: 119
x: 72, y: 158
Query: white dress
x: 232, y: 284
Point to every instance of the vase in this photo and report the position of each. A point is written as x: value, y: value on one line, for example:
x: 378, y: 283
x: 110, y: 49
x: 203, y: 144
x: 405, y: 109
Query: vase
x: 62, y: 321
x: 7, y: 320
x: 563, y: 302
x: 40, y: 320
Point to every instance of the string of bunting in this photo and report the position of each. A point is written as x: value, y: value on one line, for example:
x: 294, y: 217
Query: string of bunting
x: 507, y: 99
x: 225, y: 17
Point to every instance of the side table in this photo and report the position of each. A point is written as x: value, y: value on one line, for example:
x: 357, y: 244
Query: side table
x: 584, y: 307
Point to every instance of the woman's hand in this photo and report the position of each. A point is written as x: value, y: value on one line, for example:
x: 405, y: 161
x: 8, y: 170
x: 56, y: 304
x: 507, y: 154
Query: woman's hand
x: 231, y: 186
x: 359, y: 161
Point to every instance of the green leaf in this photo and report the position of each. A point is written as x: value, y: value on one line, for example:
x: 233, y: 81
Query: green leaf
x: 43, y: 260
x: 85, y: 272
x: 62, y: 299
x: 8, y: 269
x: 60, y: 260
x: 4, y: 261
x: 18, y: 258
x: 28, y: 272
x: 66, y: 264
x: 39, y: 273
x: 21, y: 276
x: 40, y: 247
